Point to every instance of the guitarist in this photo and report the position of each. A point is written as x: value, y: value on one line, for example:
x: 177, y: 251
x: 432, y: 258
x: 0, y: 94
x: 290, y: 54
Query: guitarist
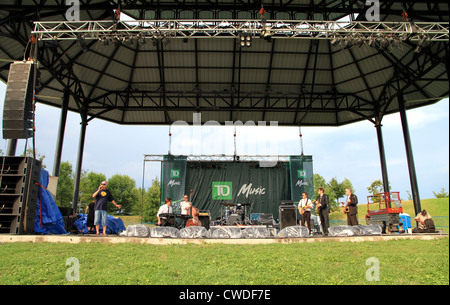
x: 324, y: 210
x: 352, y: 205
x: 304, y: 207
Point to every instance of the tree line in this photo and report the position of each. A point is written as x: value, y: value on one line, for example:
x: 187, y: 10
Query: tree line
x: 133, y: 199
x: 146, y: 202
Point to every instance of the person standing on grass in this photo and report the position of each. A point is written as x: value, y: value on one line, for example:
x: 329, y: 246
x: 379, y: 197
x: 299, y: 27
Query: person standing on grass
x: 102, y: 196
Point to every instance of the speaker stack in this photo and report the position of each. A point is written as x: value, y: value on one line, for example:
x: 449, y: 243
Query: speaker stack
x: 288, y: 214
x: 18, y: 107
x: 18, y: 194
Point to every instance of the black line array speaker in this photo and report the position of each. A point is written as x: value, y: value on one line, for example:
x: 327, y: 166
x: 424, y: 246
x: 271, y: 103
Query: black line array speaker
x: 18, y: 107
x: 19, y: 189
x: 288, y: 216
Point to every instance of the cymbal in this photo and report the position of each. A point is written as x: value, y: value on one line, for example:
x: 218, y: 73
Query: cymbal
x: 233, y: 204
x: 227, y: 204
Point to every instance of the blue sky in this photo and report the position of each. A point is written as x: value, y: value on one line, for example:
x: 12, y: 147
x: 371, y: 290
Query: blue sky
x: 343, y: 152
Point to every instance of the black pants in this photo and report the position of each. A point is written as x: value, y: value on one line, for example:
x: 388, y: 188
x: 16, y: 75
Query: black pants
x: 352, y: 220
x: 324, y: 220
x: 306, y: 216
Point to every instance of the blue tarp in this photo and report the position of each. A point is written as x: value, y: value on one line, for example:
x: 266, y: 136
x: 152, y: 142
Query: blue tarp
x: 113, y: 225
x: 48, y: 218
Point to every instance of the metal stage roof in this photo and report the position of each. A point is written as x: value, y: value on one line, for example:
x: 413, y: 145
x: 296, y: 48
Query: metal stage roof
x: 185, y: 57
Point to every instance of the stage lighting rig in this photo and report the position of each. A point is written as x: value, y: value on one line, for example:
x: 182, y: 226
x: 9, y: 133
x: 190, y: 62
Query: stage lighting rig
x: 245, y: 39
x: 335, y: 40
x: 421, y: 44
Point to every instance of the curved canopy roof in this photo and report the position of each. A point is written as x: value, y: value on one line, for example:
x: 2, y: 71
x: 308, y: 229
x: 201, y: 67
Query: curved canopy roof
x: 291, y: 80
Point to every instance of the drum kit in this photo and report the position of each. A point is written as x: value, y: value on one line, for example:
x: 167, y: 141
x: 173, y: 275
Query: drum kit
x: 233, y: 214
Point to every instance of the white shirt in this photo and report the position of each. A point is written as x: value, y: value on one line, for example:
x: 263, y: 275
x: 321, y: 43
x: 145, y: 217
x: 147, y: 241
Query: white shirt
x: 185, y: 207
x: 305, y: 202
x: 164, y: 209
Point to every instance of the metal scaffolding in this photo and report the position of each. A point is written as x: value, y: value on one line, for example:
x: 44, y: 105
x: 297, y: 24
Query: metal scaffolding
x: 223, y: 158
x: 300, y: 29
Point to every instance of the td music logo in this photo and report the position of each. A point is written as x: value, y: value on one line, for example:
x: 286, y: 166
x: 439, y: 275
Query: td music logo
x: 222, y: 190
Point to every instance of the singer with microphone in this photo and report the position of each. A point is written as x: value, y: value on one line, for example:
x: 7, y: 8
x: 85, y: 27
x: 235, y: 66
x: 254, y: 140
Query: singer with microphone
x: 102, y: 196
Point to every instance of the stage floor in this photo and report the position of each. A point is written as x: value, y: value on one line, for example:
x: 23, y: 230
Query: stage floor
x: 114, y: 239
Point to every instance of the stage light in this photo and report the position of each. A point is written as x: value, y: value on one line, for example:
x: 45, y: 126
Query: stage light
x: 104, y: 41
x: 348, y: 42
x: 372, y: 41
x: 358, y: 41
x: 165, y: 41
x: 421, y: 44
x: 82, y: 43
x: 266, y: 34
x: 334, y: 41
x: 141, y: 40
x: 245, y: 39
x: 384, y: 43
x: 397, y: 42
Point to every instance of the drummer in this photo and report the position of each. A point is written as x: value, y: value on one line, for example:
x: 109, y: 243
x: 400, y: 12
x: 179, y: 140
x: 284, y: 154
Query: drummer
x: 185, y: 205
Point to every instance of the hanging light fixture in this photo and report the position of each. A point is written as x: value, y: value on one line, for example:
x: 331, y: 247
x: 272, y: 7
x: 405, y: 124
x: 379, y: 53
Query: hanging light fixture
x: 245, y: 39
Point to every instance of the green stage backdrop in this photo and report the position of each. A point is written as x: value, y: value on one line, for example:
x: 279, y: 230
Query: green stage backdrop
x: 173, y: 180
x: 213, y: 183
x: 239, y: 182
x: 301, y: 174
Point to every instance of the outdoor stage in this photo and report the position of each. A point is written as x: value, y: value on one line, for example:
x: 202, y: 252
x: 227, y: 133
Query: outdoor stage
x: 114, y: 239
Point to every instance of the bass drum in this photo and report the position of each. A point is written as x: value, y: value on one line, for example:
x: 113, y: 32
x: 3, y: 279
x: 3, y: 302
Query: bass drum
x: 234, y: 219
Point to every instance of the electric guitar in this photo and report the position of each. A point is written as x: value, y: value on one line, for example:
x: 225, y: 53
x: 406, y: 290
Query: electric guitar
x: 302, y: 210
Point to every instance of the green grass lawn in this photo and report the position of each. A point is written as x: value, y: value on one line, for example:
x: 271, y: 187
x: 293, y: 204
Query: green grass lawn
x: 401, y: 262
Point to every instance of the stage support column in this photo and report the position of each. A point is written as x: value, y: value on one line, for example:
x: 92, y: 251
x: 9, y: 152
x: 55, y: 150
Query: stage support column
x: 384, y: 172
x: 409, y: 155
x: 60, y: 140
x: 11, y: 149
x: 76, y: 188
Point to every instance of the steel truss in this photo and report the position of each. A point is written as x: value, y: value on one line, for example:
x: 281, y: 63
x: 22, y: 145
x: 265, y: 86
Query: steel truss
x: 223, y: 158
x: 302, y: 29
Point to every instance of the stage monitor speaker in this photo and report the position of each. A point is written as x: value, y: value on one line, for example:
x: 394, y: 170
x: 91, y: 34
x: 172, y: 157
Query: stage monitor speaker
x: 18, y: 107
x: 288, y: 216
